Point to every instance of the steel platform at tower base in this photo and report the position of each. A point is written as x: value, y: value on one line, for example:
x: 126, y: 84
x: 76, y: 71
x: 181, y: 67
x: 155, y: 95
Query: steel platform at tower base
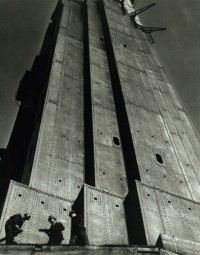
x: 78, y: 250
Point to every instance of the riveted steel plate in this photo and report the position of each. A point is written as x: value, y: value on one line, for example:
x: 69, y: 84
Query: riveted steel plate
x: 190, y: 132
x: 75, y: 29
x: 109, y: 165
x: 115, y: 24
x: 101, y: 87
x: 174, y: 96
x: 59, y: 158
x: 150, y: 139
x: 102, y: 212
x: 23, y: 199
x: 176, y: 215
x: 170, y: 105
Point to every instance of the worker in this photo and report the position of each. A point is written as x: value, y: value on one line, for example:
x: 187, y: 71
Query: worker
x: 54, y: 232
x: 78, y: 231
x: 13, y: 226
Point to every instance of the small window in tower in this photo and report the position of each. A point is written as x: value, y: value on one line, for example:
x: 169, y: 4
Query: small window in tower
x: 116, y: 140
x: 159, y: 158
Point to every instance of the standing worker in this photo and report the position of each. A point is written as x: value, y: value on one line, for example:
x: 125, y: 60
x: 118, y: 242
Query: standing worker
x: 13, y: 226
x: 78, y: 231
x: 54, y: 232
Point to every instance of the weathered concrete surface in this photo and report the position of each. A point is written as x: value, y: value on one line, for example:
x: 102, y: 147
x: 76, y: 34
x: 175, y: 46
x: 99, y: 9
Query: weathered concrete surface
x: 77, y: 250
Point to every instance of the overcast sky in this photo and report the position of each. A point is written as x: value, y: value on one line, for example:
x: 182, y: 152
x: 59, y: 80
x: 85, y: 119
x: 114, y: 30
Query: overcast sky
x: 24, y: 22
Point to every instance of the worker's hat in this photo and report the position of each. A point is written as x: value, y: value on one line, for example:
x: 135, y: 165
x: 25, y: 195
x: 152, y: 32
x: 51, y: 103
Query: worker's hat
x: 27, y: 216
x: 51, y: 217
x: 72, y: 212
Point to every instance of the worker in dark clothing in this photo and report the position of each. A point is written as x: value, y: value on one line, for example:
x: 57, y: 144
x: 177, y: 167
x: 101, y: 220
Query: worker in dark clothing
x: 78, y: 231
x: 54, y: 232
x: 13, y: 226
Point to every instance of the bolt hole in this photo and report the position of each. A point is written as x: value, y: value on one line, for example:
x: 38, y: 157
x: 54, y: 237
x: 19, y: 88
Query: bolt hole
x: 95, y: 198
x: 138, y: 131
x: 159, y: 158
x: 104, y: 173
x: 19, y: 195
x: 101, y: 39
x: 116, y: 140
x: 152, y: 136
x: 147, y: 170
x: 169, y: 202
x: 79, y: 141
x: 117, y: 205
x: 63, y: 135
x: 60, y: 180
x: 189, y: 209
x: 148, y: 194
x: 64, y: 209
x: 121, y: 179
x: 125, y: 46
x: 164, y: 175
x: 100, y: 133
x: 181, y: 182
x: 42, y: 202
x: 78, y: 187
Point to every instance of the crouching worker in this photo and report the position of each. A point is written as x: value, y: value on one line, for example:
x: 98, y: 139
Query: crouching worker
x: 13, y: 226
x: 54, y: 232
x: 78, y: 231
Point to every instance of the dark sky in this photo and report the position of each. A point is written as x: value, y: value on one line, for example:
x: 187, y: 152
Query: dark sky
x: 24, y: 22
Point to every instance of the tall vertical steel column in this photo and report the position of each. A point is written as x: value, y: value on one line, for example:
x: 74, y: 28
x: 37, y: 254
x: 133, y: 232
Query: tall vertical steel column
x: 112, y: 137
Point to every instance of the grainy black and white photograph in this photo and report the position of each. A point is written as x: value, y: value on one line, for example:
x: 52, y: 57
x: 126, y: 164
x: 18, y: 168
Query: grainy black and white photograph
x: 100, y: 127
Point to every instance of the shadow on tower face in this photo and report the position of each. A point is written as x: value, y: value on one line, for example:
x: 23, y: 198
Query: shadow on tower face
x: 134, y: 220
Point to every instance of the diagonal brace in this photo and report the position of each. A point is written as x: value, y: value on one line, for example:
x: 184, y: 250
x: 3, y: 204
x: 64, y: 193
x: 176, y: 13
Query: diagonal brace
x: 150, y: 29
x: 135, y: 13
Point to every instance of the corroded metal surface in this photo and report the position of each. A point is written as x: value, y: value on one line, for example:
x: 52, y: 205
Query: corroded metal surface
x: 23, y: 199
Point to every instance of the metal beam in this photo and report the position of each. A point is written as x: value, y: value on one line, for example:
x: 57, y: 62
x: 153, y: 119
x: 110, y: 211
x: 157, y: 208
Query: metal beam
x: 135, y: 13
